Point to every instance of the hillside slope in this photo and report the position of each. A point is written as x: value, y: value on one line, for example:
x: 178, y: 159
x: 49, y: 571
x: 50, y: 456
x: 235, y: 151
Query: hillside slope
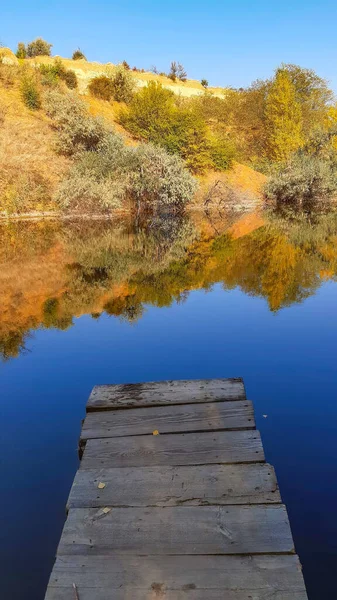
x: 31, y: 170
x: 85, y: 71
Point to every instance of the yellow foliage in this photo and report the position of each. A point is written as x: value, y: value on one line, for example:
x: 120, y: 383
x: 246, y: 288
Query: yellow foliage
x: 283, y: 118
x: 330, y: 123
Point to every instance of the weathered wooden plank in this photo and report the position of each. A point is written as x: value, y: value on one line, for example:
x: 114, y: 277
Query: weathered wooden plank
x: 174, y: 449
x: 190, y: 530
x: 177, y: 578
x: 158, y: 393
x: 175, y: 486
x: 159, y: 593
x: 169, y: 419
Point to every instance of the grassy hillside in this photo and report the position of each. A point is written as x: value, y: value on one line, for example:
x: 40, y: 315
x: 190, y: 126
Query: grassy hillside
x: 86, y: 71
x: 31, y: 169
x: 87, y: 137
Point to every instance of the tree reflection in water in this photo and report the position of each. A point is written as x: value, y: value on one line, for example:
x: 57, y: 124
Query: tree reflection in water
x: 52, y: 272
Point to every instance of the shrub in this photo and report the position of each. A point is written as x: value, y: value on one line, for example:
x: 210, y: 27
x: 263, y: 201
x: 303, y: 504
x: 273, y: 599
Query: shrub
x: 78, y: 55
x: 118, y: 84
x: 51, y: 74
x: 173, y: 72
x: 177, y: 71
x: 98, y: 179
x: 21, y: 50
x: 84, y: 192
x: 70, y: 79
x: 154, y: 116
x: 38, y: 47
x: 24, y: 190
x: 189, y: 138
x: 222, y: 153
x: 149, y: 114
x: 30, y: 93
x: 101, y: 87
x: 123, y: 84
x: 126, y: 65
x: 204, y: 83
x: 48, y: 76
x: 103, y: 179
x: 306, y: 182
x: 160, y: 180
x: 182, y: 75
x: 77, y: 129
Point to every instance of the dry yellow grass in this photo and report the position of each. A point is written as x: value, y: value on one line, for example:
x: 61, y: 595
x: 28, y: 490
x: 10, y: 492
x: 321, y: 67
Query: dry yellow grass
x: 240, y: 177
x: 30, y: 169
x: 109, y: 111
x: 8, y: 57
x: 86, y: 71
x: 29, y: 166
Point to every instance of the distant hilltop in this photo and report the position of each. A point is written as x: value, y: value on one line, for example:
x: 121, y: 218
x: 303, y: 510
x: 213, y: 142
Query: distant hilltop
x: 86, y: 71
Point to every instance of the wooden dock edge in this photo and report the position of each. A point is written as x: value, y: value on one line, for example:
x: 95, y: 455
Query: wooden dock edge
x: 174, y: 500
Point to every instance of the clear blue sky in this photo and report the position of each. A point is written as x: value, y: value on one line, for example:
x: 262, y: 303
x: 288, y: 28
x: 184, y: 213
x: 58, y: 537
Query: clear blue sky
x: 228, y: 43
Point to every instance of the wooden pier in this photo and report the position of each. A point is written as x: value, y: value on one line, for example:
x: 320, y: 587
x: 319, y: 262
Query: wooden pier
x: 173, y: 500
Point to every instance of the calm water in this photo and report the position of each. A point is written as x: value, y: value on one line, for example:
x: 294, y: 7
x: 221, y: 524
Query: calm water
x: 92, y: 303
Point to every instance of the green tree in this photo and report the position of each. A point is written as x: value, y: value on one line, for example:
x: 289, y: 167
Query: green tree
x: 39, y: 47
x: 154, y: 116
x: 21, y: 50
x: 283, y: 118
x: 150, y: 113
x: 123, y: 84
x: 188, y: 136
x: 313, y: 94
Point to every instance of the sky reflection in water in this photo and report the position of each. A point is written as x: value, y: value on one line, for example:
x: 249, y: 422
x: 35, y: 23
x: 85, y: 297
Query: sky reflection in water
x: 92, y: 303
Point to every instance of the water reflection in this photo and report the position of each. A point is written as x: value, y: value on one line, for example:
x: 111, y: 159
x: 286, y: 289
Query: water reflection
x: 52, y: 272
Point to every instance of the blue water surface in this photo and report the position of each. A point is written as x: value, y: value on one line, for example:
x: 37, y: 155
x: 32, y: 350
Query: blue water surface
x: 287, y: 360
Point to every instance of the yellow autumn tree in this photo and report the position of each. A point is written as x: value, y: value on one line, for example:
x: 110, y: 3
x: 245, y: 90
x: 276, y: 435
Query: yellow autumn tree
x: 283, y: 118
x: 330, y: 124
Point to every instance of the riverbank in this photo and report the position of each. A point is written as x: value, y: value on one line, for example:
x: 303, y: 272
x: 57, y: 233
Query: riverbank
x: 240, y: 188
